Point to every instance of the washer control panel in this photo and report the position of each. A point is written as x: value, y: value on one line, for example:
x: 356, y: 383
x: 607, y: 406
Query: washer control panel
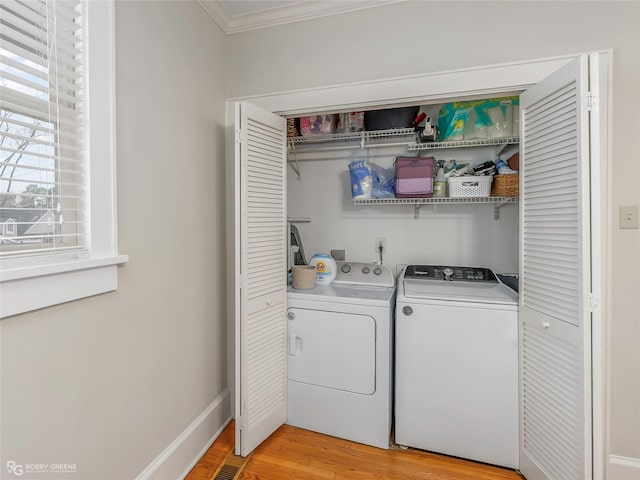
x: 453, y: 274
x: 370, y: 274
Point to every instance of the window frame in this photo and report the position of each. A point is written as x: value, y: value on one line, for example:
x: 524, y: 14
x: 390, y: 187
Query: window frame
x: 33, y: 283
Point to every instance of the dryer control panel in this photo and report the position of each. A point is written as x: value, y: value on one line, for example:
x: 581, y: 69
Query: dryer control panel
x: 367, y: 274
x: 458, y: 274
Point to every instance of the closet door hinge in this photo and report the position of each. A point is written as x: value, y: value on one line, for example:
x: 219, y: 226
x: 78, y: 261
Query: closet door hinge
x: 592, y: 302
x: 240, y: 135
x: 589, y: 101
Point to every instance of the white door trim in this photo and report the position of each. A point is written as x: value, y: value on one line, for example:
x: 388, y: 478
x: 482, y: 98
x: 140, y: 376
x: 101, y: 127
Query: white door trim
x: 411, y: 90
x: 436, y: 87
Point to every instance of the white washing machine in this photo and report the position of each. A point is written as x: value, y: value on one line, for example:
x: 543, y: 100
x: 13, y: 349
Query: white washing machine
x: 340, y: 355
x: 456, y: 369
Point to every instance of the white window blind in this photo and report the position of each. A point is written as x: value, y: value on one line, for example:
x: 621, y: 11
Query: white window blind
x: 43, y: 194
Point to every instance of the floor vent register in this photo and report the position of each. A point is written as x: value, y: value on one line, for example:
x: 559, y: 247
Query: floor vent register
x: 231, y: 467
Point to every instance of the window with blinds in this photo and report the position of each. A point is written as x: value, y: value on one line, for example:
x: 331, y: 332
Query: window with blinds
x: 43, y: 194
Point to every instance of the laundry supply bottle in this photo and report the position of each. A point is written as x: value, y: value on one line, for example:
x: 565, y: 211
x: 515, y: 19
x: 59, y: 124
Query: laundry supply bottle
x: 326, y: 268
x: 440, y: 184
x: 503, y: 168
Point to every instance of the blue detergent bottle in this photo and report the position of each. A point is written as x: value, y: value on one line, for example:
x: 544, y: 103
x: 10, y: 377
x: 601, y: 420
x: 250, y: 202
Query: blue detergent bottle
x: 326, y: 268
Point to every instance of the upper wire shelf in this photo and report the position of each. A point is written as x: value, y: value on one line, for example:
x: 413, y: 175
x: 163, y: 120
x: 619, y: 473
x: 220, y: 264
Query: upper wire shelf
x: 363, y: 135
x: 488, y: 142
x: 314, y: 143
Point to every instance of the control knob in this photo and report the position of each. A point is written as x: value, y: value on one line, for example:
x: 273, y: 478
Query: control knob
x: 345, y: 268
x: 448, y: 273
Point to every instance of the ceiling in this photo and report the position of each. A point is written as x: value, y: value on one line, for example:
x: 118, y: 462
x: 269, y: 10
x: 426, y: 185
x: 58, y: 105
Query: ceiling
x: 235, y: 16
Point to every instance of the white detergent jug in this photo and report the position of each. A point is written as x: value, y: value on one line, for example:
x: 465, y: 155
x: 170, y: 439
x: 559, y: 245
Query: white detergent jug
x: 326, y: 268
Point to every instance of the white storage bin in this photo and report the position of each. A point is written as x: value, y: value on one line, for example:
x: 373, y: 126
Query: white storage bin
x: 470, y: 186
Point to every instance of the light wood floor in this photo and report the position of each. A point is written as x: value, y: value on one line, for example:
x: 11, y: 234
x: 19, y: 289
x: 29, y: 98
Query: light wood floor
x: 296, y: 454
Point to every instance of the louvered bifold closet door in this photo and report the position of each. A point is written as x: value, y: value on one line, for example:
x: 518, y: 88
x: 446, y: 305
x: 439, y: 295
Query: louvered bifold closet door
x: 554, y: 324
x: 263, y: 287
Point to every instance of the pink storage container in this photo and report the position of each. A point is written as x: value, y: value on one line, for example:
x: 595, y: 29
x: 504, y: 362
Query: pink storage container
x: 414, y: 176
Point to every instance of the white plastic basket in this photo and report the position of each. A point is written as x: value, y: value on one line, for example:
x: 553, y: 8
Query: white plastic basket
x: 470, y: 186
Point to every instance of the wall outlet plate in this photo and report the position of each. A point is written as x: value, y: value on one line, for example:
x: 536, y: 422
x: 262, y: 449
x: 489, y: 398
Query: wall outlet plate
x: 629, y: 216
x: 338, y: 255
x: 381, y: 241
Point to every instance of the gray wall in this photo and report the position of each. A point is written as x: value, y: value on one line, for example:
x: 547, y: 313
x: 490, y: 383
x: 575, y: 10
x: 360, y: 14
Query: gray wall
x: 109, y: 382
x: 419, y: 37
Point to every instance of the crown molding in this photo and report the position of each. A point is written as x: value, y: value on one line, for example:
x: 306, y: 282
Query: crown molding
x: 282, y: 15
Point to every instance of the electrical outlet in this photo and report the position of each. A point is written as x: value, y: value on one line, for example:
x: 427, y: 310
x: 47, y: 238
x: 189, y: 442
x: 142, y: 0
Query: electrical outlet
x: 381, y: 241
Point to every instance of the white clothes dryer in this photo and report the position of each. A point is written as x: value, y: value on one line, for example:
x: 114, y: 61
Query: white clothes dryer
x: 456, y: 369
x: 340, y: 355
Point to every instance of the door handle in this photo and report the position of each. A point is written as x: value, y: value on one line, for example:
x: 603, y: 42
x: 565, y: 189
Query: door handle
x: 292, y: 345
x: 295, y: 345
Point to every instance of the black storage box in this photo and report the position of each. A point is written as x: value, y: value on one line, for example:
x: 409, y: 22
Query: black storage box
x: 390, y: 118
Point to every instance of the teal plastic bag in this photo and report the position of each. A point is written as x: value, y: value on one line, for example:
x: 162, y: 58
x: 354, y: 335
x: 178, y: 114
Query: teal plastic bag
x: 490, y: 117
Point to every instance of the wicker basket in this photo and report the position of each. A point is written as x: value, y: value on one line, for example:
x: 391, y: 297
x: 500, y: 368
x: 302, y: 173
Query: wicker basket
x: 506, y: 185
x: 292, y: 127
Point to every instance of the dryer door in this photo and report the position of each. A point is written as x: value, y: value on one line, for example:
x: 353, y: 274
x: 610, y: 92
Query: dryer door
x: 333, y: 350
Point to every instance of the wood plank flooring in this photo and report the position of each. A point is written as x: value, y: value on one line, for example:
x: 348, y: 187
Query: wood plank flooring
x: 296, y: 454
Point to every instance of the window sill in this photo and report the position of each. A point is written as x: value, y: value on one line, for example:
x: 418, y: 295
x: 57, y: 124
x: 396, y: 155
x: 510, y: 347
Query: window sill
x: 32, y: 288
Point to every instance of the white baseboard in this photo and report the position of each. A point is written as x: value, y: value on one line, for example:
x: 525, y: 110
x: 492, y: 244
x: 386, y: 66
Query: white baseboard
x: 623, y: 468
x: 185, y: 450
